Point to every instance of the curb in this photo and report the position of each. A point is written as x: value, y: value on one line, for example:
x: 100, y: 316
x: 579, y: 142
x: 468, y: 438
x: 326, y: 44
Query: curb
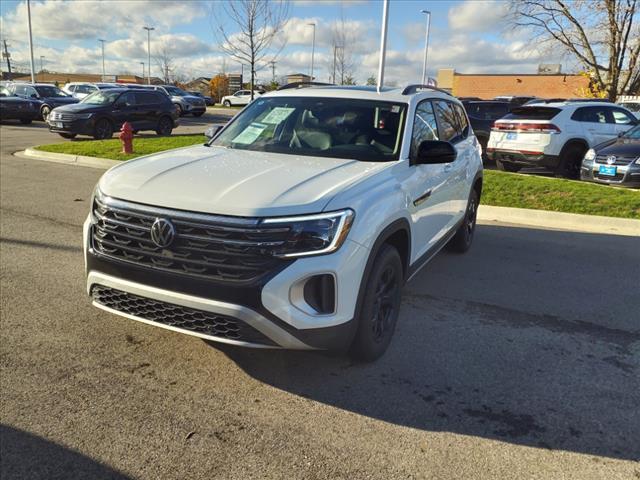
x: 93, y: 162
x: 573, y: 222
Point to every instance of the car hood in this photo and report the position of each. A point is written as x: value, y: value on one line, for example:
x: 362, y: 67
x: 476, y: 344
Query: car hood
x: 234, y: 182
x: 621, y: 147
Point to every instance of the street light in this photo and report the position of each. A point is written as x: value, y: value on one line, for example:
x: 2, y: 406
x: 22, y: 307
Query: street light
x: 148, y: 29
x: 313, y: 47
x: 426, y: 46
x: 142, y: 63
x: 33, y: 79
x: 103, y: 72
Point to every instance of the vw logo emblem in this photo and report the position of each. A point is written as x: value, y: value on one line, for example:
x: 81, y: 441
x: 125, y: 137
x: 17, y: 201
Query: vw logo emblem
x: 611, y: 159
x: 162, y: 232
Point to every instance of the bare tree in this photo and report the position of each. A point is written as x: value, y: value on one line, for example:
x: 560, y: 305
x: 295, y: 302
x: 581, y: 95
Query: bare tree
x: 165, y: 61
x: 599, y: 34
x: 341, y: 41
x: 247, y: 28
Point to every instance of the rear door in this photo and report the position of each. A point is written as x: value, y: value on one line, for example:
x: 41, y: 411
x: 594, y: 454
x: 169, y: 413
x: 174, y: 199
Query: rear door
x: 148, y: 109
x: 622, y: 120
x: 126, y: 110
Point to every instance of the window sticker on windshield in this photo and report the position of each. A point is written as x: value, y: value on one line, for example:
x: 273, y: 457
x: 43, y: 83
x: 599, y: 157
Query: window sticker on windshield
x: 277, y: 115
x: 395, y: 109
x: 250, y: 134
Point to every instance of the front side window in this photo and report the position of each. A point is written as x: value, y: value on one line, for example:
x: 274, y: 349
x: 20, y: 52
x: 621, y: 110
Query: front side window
x: 621, y: 117
x: 425, y: 126
x: 365, y: 130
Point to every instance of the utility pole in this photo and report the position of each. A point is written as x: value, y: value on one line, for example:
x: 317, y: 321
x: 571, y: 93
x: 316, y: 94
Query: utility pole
x: 335, y: 49
x: 142, y: 63
x: 7, y: 55
x: 383, y: 44
x: 33, y: 68
x: 273, y: 71
x: 148, y: 29
x: 103, y: 71
x: 41, y: 63
x: 313, y: 46
x: 426, y: 46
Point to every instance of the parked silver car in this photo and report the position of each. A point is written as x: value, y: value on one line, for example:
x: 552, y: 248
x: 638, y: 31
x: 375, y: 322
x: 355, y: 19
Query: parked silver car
x: 185, y: 103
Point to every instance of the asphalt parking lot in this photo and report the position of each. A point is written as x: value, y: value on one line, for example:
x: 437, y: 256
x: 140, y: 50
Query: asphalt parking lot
x: 518, y: 360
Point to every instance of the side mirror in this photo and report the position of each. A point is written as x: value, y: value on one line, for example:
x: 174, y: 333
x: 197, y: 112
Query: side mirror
x: 34, y: 95
x: 435, y: 151
x: 212, y: 131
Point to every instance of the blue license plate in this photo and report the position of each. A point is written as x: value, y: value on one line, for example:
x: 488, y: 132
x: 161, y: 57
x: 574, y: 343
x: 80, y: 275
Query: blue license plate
x: 512, y: 136
x: 607, y: 170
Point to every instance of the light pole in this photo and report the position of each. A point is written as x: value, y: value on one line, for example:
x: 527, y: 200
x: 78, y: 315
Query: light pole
x: 103, y: 71
x: 148, y: 29
x: 33, y: 78
x: 41, y: 63
x: 142, y: 63
x: 313, y: 47
x: 426, y: 46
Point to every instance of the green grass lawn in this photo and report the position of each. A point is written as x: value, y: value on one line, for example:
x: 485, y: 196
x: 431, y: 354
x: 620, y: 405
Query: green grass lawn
x: 113, y: 148
x: 542, y: 193
x: 500, y: 188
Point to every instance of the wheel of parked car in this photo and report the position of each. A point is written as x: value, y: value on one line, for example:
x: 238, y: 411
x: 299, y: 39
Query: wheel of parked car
x: 462, y: 240
x: 570, y: 161
x: 165, y: 126
x: 179, y: 109
x: 25, y: 121
x: 227, y: 103
x: 45, y: 111
x: 103, y: 130
x: 198, y: 114
x: 380, y: 306
x: 67, y: 135
x: 507, y: 166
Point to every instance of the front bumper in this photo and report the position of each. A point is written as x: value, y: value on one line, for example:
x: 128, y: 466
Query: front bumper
x: 531, y: 159
x: 626, y: 175
x: 77, y: 127
x: 271, y: 307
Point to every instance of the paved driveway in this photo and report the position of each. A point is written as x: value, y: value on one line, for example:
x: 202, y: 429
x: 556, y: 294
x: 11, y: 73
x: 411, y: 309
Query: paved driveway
x: 518, y: 360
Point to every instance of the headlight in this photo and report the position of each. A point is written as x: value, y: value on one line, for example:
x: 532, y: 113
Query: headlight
x: 590, y: 156
x: 637, y: 162
x: 313, y: 234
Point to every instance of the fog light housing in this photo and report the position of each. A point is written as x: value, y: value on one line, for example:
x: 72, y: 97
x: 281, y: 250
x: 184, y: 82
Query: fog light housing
x: 320, y: 293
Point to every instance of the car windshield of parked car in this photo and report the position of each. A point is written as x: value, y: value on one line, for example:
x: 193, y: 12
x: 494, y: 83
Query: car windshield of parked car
x: 633, y: 134
x: 363, y: 130
x: 101, y: 97
x: 176, y: 92
x: 634, y: 107
x: 5, y: 92
x: 50, y: 91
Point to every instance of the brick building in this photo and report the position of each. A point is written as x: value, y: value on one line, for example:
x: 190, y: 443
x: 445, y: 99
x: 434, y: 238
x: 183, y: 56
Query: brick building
x: 488, y: 86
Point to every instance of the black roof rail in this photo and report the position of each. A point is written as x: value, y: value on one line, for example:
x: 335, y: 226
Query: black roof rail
x: 303, y: 85
x: 411, y: 89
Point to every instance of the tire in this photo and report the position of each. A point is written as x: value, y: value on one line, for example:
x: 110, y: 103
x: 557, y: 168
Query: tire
x: 570, y: 162
x: 67, y: 135
x: 199, y: 114
x: 462, y: 240
x: 165, y: 126
x: 44, y: 112
x: 507, y: 166
x: 25, y: 121
x: 135, y: 132
x: 179, y: 109
x: 380, y: 306
x: 226, y: 103
x: 103, y: 130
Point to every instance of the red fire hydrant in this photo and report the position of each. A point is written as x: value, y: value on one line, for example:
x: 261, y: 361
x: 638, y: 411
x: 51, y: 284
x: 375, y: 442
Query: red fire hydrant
x: 126, y: 137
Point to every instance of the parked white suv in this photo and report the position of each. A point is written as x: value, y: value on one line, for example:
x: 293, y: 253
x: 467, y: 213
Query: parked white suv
x: 555, y: 135
x: 241, y: 97
x: 80, y: 89
x: 295, y: 226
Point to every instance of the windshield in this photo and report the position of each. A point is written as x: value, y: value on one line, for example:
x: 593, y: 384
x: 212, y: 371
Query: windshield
x: 633, y: 106
x: 176, y: 92
x: 101, y: 97
x: 321, y: 127
x: 633, y: 134
x: 5, y: 92
x: 50, y: 91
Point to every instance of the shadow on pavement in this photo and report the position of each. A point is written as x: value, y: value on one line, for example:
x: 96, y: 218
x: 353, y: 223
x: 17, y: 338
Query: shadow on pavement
x: 24, y: 455
x: 483, y: 370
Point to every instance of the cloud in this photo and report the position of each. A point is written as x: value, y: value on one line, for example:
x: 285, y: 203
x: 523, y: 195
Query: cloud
x: 478, y: 15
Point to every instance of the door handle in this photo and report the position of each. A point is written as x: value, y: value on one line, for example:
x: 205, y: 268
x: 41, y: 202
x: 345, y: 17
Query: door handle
x: 422, y: 198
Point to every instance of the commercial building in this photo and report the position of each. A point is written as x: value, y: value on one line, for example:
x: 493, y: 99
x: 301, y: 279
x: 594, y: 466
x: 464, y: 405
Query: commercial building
x: 487, y: 86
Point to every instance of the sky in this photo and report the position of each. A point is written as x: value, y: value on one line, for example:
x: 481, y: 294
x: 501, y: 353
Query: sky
x: 468, y: 35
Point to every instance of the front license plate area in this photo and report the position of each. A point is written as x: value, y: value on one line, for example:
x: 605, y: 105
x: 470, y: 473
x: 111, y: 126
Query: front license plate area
x: 607, y: 170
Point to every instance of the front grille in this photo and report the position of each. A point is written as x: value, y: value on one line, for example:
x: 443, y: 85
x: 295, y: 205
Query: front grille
x: 64, y: 117
x: 177, y: 316
x: 619, y: 160
x: 227, y: 249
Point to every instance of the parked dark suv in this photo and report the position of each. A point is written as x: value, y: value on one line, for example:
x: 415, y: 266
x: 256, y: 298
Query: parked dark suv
x: 103, y: 112
x: 50, y: 95
x: 482, y: 114
x: 16, y: 108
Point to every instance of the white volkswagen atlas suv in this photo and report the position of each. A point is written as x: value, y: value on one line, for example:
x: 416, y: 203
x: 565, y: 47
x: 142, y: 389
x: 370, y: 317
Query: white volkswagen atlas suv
x: 295, y: 226
x: 555, y: 135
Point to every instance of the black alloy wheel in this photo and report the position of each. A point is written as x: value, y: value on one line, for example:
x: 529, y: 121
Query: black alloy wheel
x: 462, y: 240
x: 165, y: 126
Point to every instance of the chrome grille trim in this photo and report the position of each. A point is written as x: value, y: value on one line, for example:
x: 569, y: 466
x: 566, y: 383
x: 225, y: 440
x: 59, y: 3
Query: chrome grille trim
x: 602, y: 159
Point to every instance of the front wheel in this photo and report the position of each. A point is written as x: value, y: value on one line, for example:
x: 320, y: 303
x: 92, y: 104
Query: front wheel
x: 461, y: 241
x: 44, y: 112
x: 380, y: 306
x: 165, y: 126
x: 226, y: 103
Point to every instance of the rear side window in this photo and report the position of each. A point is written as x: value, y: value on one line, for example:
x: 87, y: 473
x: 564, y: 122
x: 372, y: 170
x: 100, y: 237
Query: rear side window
x: 449, y: 121
x: 463, y: 122
x: 592, y: 115
x: 425, y: 126
x: 147, y: 98
x: 532, y: 113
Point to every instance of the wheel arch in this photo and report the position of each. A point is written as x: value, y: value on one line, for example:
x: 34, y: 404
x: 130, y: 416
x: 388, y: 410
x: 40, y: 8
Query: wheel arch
x: 576, y: 141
